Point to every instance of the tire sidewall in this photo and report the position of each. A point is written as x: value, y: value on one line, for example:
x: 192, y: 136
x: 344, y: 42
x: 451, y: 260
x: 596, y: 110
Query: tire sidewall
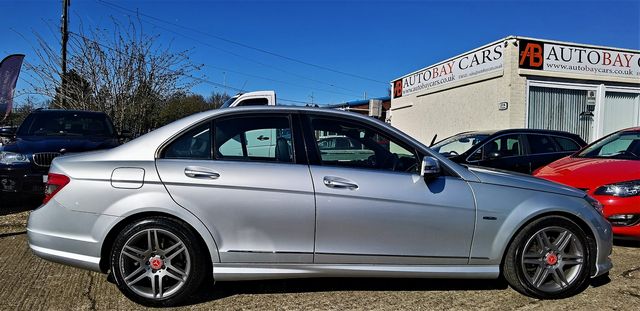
x: 519, y: 244
x: 195, y: 277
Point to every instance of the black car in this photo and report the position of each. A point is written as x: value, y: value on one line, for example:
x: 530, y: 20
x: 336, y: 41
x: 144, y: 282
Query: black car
x: 44, y: 135
x: 518, y: 150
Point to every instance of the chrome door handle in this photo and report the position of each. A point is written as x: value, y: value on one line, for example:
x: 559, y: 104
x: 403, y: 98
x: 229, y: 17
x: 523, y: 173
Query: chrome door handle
x: 200, y: 172
x: 339, y: 183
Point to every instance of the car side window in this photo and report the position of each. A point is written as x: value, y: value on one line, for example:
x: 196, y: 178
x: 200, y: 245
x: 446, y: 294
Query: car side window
x: 541, y: 144
x: 566, y: 144
x: 259, y: 138
x: 349, y: 144
x: 194, y: 144
x: 503, y: 146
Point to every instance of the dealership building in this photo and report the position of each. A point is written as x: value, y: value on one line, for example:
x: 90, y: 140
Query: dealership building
x: 520, y: 82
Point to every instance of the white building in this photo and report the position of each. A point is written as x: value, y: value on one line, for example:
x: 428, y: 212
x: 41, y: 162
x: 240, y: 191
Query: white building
x: 521, y: 82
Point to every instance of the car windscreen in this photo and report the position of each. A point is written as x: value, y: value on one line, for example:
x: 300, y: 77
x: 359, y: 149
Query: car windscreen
x: 622, y: 145
x: 66, y: 123
x: 458, y: 144
x: 230, y: 101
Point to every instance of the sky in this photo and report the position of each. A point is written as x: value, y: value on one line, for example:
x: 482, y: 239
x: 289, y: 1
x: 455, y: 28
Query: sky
x: 321, y: 51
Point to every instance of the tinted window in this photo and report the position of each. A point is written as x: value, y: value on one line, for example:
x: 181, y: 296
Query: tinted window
x: 503, y: 146
x: 66, y: 123
x: 354, y: 145
x: 541, y: 144
x: 566, y: 144
x: 194, y: 144
x: 264, y: 138
x: 254, y: 102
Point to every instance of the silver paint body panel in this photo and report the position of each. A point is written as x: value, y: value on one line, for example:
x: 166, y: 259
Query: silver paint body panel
x: 269, y: 220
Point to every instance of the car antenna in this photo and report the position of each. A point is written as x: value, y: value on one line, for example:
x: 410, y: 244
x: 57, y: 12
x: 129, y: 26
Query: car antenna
x: 433, y: 140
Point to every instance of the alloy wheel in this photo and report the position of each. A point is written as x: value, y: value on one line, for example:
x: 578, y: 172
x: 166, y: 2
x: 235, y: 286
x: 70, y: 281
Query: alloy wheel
x: 552, y: 259
x: 154, y: 263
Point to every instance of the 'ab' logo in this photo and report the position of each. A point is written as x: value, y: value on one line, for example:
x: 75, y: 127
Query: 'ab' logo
x: 397, y: 89
x: 531, y: 54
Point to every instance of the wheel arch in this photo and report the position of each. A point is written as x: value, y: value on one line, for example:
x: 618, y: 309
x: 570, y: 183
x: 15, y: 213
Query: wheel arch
x: 109, y: 239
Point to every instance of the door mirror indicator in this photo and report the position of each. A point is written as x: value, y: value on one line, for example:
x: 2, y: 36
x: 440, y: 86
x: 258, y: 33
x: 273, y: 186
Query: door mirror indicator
x: 430, y: 168
x: 493, y: 155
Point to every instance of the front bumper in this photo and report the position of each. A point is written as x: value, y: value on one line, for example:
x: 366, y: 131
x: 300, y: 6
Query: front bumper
x: 617, y: 205
x: 603, y: 235
x: 68, y: 237
x: 22, y: 179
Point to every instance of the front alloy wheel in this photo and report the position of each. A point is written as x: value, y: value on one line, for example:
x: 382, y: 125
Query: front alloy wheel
x: 156, y: 261
x: 548, y: 259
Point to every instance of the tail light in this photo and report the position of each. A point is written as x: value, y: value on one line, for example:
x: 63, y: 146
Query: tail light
x: 55, y: 183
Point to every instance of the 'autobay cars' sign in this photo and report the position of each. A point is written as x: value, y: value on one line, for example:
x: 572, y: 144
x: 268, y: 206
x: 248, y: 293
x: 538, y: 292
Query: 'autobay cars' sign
x: 481, y: 61
x: 555, y: 57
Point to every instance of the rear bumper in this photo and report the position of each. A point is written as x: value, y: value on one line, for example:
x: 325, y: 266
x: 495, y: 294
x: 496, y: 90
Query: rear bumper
x: 68, y: 237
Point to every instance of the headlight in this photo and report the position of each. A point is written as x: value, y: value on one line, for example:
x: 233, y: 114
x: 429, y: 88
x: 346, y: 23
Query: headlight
x: 594, y: 203
x: 12, y: 158
x: 623, y: 189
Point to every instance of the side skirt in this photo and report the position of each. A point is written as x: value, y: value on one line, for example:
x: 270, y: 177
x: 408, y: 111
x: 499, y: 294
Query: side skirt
x: 244, y: 272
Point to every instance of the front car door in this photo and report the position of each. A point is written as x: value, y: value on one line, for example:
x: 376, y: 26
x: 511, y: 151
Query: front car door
x: 259, y: 206
x: 377, y: 209
x: 505, y: 152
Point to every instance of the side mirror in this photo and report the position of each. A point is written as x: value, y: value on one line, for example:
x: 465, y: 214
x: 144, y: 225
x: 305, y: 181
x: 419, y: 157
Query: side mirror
x: 8, y: 132
x: 430, y: 168
x: 493, y: 155
x: 125, y: 134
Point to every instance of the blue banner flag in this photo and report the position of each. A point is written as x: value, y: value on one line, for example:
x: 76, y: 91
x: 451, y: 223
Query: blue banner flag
x: 9, y: 71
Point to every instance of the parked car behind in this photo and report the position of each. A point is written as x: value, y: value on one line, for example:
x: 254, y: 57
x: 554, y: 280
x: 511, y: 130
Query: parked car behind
x: 44, y: 135
x: 175, y: 206
x: 518, y: 150
x: 609, y: 170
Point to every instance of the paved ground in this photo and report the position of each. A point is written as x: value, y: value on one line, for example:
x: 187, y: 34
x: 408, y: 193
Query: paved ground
x: 30, y: 283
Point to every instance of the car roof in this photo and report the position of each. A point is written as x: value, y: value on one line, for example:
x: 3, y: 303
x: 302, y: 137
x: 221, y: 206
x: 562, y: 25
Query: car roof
x: 519, y: 131
x: 67, y: 111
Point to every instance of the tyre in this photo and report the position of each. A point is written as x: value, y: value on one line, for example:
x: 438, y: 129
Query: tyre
x: 157, y: 262
x: 548, y: 259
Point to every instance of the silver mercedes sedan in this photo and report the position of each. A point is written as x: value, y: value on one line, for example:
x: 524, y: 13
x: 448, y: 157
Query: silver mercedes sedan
x: 261, y: 193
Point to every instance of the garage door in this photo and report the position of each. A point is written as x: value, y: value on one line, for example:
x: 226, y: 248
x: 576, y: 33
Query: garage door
x: 620, y: 111
x: 559, y: 109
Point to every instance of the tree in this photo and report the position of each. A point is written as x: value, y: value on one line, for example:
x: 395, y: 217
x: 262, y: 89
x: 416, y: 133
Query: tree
x: 122, y: 71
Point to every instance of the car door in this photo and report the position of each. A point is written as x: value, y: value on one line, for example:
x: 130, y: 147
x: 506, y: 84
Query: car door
x: 503, y: 152
x: 546, y: 148
x: 377, y: 209
x: 259, y: 207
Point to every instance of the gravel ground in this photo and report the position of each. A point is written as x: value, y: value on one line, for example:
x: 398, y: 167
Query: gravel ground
x: 30, y: 283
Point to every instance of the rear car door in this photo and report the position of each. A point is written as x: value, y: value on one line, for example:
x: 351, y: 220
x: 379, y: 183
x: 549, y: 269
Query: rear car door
x: 259, y: 206
x: 546, y: 148
x: 377, y: 209
x: 504, y: 152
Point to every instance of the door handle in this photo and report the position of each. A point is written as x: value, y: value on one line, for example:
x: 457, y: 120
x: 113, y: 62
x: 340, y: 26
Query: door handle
x: 200, y: 172
x: 262, y: 137
x: 339, y: 183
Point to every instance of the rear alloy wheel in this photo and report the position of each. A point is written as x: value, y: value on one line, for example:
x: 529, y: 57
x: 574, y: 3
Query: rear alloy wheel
x: 157, y: 262
x: 548, y: 259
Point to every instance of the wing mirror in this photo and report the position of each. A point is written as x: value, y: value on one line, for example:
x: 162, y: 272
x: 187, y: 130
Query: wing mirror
x: 8, y: 132
x: 430, y: 168
x: 493, y: 155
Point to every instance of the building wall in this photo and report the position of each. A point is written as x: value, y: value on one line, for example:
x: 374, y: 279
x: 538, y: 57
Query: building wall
x: 470, y: 105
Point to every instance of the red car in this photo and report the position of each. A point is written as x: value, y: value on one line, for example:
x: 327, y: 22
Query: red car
x: 608, y: 170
